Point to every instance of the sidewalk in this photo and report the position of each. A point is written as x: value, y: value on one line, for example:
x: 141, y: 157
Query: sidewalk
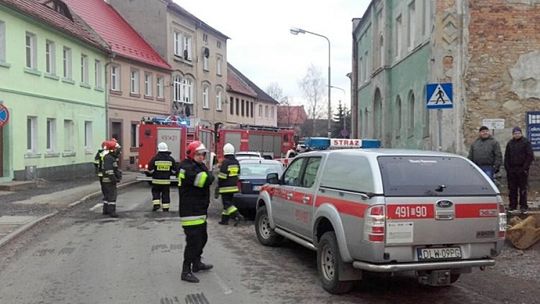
x: 24, y: 214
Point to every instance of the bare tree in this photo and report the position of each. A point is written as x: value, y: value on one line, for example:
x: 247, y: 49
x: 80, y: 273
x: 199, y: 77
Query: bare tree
x: 313, y: 87
x: 275, y: 91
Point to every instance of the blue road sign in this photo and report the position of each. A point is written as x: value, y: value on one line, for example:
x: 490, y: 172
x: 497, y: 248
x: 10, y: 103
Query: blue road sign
x: 533, y: 129
x: 439, y: 96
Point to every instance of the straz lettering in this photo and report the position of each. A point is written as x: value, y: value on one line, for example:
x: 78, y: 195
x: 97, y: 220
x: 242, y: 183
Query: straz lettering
x: 346, y: 142
x: 169, y: 137
x: 410, y: 211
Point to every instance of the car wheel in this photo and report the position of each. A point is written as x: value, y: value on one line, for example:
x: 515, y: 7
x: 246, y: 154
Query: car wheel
x: 328, y: 264
x: 265, y: 234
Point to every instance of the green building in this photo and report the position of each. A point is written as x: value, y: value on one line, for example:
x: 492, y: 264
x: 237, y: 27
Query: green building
x: 52, y: 80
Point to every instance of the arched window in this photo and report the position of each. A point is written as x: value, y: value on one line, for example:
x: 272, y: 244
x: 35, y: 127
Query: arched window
x: 206, y: 103
x: 177, y: 87
x: 218, y: 99
x: 410, y: 120
x: 187, y: 90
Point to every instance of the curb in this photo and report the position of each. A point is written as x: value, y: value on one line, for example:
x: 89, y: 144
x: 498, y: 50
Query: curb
x: 27, y: 226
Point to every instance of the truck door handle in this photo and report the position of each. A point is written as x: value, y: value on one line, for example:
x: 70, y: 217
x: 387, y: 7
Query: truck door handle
x: 289, y: 195
x: 306, y: 199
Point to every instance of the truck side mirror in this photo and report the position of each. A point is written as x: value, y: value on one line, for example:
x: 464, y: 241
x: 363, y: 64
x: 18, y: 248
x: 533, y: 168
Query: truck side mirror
x: 272, y: 178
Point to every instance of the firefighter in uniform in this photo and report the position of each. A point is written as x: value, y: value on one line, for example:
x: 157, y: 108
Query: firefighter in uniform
x: 227, y: 185
x: 194, y: 180
x: 161, y: 167
x: 111, y: 176
x: 98, y: 166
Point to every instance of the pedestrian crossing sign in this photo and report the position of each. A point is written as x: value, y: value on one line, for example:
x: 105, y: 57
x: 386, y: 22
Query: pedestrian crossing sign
x: 439, y: 96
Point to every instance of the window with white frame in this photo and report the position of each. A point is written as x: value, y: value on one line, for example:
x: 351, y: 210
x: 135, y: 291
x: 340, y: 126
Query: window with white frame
x: 2, y: 41
x: 31, y: 51
x: 148, y: 84
x: 177, y: 88
x: 134, y: 83
x: 31, y: 134
x: 69, y: 135
x: 187, y: 47
x: 88, y: 136
x: 218, y: 44
x: 260, y: 111
x: 177, y: 44
x: 205, y: 93
x: 426, y: 17
x: 98, y: 71
x: 219, y: 63
x: 115, y: 78
x: 272, y: 112
x: 187, y: 90
x: 50, y: 57
x: 134, y: 133
x: 411, y: 25
x: 51, y: 135
x: 84, y: 69
x: 266, y: 111
x: 398, y: 35
x: 159, y: 84
x: 66, y: 59
x: 205, y: 61
x: 205, y: 38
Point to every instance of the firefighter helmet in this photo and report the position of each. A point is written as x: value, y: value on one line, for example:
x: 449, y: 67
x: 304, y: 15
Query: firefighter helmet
x: 104, y: 145
x: 162, y: 147
x: 194, y: 147
x: 228, y: 149
x: 110, y: 145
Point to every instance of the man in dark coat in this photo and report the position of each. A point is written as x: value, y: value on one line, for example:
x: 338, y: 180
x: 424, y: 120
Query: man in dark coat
x: 194, y: 180
x: 161, y: 167
x: 227, y: 184
x: 485, y: 152
x: 517, y: 161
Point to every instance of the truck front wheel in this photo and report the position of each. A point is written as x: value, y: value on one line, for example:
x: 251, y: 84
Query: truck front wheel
x: 265, y: 234
x: 329, y: 264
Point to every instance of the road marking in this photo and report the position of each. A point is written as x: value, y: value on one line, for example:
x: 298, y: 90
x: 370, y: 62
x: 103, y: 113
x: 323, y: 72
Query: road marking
x: 98, y: 205
x: 222, y: 284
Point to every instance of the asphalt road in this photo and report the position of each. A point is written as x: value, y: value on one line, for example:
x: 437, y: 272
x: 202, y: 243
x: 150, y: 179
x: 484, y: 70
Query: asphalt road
x: 79, y: 256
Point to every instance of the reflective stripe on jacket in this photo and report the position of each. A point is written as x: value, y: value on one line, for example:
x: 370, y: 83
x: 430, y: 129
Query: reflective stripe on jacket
x: 228, y: 175
x: 162, y: 166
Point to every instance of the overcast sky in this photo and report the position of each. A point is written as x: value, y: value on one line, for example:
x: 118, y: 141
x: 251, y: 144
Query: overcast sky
x: 263, y: 49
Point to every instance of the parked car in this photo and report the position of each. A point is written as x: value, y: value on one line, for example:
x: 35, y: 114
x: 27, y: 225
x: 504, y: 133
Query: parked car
x: 248, y: 155
x: 383, y: 210
x: 253, y: 174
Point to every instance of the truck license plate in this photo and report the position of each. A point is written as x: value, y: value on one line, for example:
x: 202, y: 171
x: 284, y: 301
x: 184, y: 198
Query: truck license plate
x: 256, y: 188
x: 433, y: 254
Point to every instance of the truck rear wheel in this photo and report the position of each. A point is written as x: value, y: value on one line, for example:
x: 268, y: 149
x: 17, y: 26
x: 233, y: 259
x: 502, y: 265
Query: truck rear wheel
x: 265, y: 234
x: 329, y: 264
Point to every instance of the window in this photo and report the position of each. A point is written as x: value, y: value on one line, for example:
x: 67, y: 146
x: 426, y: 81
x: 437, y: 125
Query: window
x: 411, y: 28
x: 251, y: 109
x: 231, y: 105
x: 187, y: 90
x: 159, y: 87
x: 69, y: 136
x: 237, y: 107
x: 218, y: 44
x: 426, y: 20
x: 134, y: 87
x: 367, y: 69
x: 205, y: 97
x: 51, y: 134
x: 266, y: 111
x: 260, y: 110
x: 31, y: 51
x: 50, y: 57
x: 218, y: 65
x: 272, y: 112
x: 177, y: 40
x: 399, y: 39
x: 291, y: 177
x: 31, y: 134
x: 380, y: 35
x: 247, y: 108
x: 115, y: 78
x: 148, y: 84
x: 66, y: 58
x: 182, y: 45
x: 339, y: 174
x: 310, y: 172
x: 218, y: 100
x: 410, y: 121
x: 134, y: 133
x: 205, y: 60
x: 242, y: 106
x: 84, y: 69
x: 2, y: 41
x: 177, y: 85
x: 398, y: 116
x: 187, y: 48
x: 205, y: 37
x: 88, y: 136
x: 98, y: 70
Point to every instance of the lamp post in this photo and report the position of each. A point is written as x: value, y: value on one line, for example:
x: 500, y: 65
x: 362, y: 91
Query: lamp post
x: 296, y: 31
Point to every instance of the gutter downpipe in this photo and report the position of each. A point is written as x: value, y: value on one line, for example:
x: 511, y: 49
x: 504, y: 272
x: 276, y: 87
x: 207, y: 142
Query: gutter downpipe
x: 112, y: 55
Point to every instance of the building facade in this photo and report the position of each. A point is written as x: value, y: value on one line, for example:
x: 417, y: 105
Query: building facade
x: 136, y: 77
x: 487, y: 50
x: 52, y: 82
x: 196, y: 52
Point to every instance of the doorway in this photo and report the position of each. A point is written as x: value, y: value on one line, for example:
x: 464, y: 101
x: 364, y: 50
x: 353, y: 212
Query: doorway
x: 116, y: 132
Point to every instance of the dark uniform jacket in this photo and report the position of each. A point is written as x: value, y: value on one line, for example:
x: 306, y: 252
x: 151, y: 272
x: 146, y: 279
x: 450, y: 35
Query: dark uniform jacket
x: 162, y: 166
x: 98, y: 163
x: 518, y: 155
x: 194, y: 182
x: 228, y: 175
x: 111, y: 173
x: 486, y: 152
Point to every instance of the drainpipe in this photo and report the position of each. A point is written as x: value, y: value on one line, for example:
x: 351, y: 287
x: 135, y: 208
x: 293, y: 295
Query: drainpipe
x: 107, y: 92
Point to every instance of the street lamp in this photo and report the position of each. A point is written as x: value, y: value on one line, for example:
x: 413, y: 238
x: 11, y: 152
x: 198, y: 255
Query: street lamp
x: 296, y: 31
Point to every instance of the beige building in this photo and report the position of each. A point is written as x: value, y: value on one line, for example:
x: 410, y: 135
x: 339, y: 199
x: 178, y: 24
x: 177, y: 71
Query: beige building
x: 196, y: 52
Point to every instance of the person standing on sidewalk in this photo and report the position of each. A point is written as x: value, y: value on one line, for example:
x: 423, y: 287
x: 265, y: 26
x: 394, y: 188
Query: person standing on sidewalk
x: 98, y: 166
x: 485, y: 152
x: 194, y: 180
x: 517, y: 161
x: 111, y: 176
x: 161, y: 167
x: 227, y: 184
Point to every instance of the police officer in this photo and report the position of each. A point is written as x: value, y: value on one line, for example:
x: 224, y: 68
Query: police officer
x: 194, y: 180
x: 161, y: 167
x: 111, y: 176
x: 98, y: 166
x: 227, y: 184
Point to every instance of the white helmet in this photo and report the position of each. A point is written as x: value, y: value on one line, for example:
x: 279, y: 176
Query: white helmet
x: 162, y: 147
x: 228, y: 149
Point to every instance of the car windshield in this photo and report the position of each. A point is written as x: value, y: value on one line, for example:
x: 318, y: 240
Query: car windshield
x: 259, y: 169
x: 431, y: 176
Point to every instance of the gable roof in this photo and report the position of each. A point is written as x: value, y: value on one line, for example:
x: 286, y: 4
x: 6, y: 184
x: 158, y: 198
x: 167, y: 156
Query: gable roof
x: 124, y: 40
x: 237, y: 85
x: 291, y: 115
x: 261, y: 95
x: 74, y: 26
x: 180, y: 10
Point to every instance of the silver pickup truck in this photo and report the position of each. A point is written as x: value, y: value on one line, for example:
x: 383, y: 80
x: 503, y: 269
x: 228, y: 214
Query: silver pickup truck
x: 384, y: 210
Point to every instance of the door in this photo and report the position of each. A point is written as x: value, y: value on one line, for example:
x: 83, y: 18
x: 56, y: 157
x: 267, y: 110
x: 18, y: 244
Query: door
x: 283, y: 200
x: 305, y: 198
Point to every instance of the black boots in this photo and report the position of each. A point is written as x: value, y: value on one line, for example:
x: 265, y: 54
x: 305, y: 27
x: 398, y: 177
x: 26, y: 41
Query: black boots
x: 112, y: 210
x: 224, y: 219
x: 105, y: 208
x: 188, y: 270
x: 200, y: 266
x: 189, y: 277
